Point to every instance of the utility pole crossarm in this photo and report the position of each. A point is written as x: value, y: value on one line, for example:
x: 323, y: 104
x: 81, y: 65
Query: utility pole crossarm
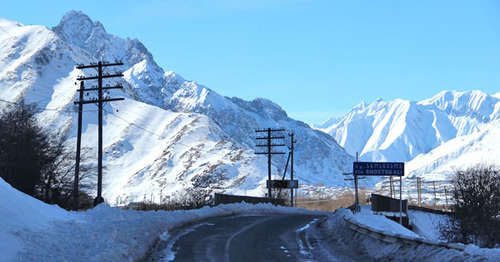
x: 271, y: 145
x: 270, y: 129
x: 272, y: 153
x: 82, y: 66
x: 272, y: 137
x: 99, y: 77
x: 95, y: 101
x: 104, y: 88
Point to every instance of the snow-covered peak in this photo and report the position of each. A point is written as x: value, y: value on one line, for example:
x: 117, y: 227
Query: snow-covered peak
x: 76, y: 28
x: 8, y: 24
x: 399, y: 130
x: 361, y: 105
x: 475, y: 104
x: 328, y: 123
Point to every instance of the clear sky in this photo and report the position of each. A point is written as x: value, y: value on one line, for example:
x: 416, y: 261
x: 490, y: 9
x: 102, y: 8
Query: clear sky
x: 315, y: 58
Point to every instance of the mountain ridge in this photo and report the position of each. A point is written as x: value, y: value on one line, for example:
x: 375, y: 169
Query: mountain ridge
x: 400, y: 130
x: 212, y: 143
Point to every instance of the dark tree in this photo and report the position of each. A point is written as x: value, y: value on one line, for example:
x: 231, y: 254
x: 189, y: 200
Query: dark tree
x: 36, y: 161
x: 25, y: 149
x: 476, y: 192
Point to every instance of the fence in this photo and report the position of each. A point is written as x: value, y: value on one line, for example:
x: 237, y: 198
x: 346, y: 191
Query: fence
x: 386, y: 204
x: 229, y: 199
x: 419, y: 192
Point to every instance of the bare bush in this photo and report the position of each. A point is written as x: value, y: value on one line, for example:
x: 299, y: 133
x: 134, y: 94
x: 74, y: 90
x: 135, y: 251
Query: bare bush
x: 192, y: 198
x: 477, y: 207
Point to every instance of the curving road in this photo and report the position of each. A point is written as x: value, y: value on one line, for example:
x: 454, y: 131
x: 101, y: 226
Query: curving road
x: 249, y: 238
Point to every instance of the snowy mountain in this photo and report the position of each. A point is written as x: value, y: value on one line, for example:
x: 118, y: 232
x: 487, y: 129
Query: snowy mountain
x: 460, y: 153
x: 401, y: 130
x: 169, y: 134
x: 327, y: 123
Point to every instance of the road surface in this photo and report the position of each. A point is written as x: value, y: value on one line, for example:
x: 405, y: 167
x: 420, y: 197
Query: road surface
x: 250, y: 238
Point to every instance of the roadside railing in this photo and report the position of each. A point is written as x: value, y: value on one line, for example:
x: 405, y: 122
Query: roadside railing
x: 393, y: 238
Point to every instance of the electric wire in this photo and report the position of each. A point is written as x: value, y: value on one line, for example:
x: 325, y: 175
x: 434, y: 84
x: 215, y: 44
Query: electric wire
x: 153, y: 133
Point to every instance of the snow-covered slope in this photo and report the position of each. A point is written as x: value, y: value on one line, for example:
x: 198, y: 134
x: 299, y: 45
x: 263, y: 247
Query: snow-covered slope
x: 460, y: 153
x: 18, y: 211
x: 327, y: 123
x: 400, y: 130
x: 317, y: 155
x: 169, y: 134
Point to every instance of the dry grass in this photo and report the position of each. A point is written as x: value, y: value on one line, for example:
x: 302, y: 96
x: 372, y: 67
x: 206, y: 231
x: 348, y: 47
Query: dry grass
x: 344, y: 200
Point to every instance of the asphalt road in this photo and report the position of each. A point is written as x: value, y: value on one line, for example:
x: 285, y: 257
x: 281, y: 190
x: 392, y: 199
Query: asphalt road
x: 249, y: 238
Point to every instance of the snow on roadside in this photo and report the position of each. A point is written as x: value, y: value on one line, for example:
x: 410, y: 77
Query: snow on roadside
x: 338, y: 231
x: 113, y: 234
x: 426, y: 224
x: 31, y: 230
x: 18, y: 210
x: 380, y: 222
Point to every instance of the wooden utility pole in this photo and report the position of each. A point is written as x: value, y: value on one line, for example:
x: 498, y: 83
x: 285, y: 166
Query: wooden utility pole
x: 419, y: 191
x: 269, y: 145
x: 435, y: 196
x: 390, y: 184
x: 78, y: 146
x: 445, y: 196
x: 100, y: 102
x: 401, y: 200
x: 292, y: 142
x: 356, y: 185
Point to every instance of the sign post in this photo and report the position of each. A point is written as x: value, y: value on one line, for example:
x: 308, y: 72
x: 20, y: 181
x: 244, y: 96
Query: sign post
x: 382, y: 169
x: 283, y: 184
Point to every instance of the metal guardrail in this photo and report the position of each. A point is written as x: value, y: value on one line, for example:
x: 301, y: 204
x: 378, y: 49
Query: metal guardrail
x: 435, y: 211
x: 393, y: 238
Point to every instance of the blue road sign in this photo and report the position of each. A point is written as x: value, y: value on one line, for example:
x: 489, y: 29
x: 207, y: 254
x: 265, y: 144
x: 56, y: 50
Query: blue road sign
x: 378, y: 168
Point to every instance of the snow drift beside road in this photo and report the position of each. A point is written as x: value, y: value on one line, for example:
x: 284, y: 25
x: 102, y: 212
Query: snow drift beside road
x: 426, y: 224
x: 32, y: 230
x: 18, y: 210
x: 380, y: 222
x: 338, y: 231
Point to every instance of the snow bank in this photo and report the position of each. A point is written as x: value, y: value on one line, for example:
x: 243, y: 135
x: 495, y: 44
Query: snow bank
x: 380, y: 222
x: 426, y: 224
x: 31, y: 230
x: 113, y: 234
x: 336, y: 227
x: 18, y: 210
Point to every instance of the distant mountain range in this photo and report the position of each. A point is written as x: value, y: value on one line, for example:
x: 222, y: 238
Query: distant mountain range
x: 449, y: 131
x: 170, y: 135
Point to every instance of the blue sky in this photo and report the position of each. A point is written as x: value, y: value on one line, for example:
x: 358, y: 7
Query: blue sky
x: 315, y: 58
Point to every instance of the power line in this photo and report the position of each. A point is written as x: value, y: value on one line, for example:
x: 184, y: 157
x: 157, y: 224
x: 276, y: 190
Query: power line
x: 153, y: 133
x: 42, y: 109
